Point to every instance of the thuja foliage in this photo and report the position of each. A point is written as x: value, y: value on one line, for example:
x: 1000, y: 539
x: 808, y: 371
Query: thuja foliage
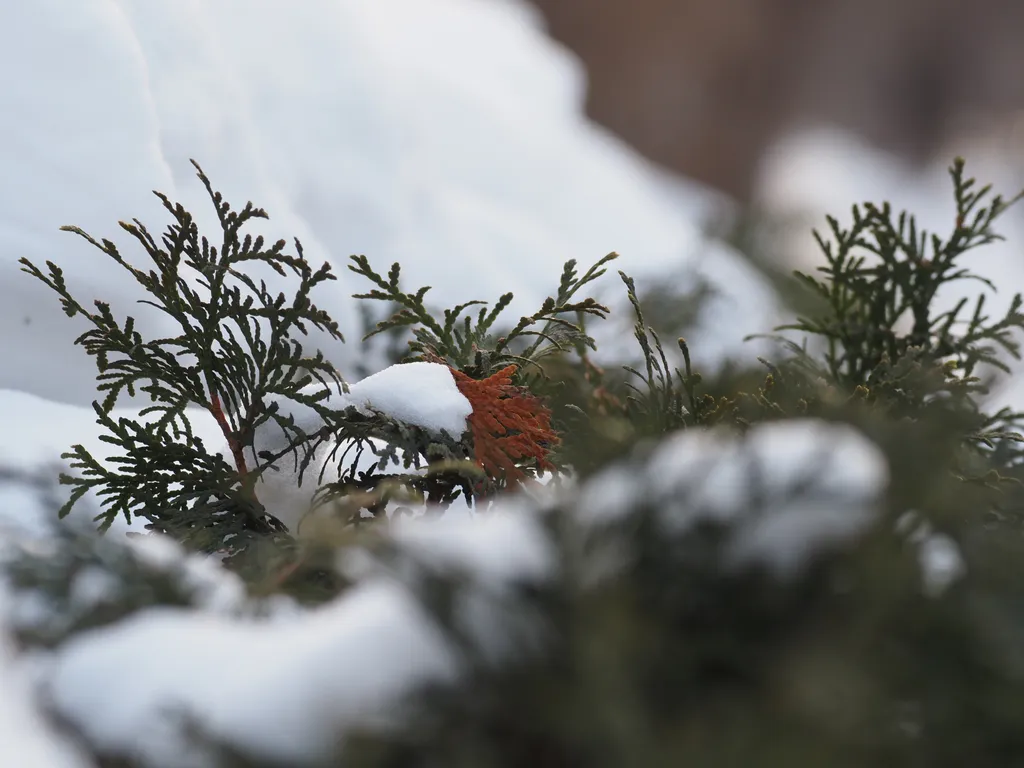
x: 883, y: 271
x: 480, y: 344
x: 876, y: 341
x: 660, y: 653
x: 240, y: 354
x: 647, y: 642
x: 237, y: 355
x: 881, y: 336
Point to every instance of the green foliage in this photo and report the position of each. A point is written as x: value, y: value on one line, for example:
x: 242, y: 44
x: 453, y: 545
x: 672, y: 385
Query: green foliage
x: 647, y: 645
x: 677, y: 659
x: 878, y: 320
x: 236, y: 356
x: 666, y: 398
x: 473, y: 344
x: 240, y: 355
x: 657, y: 652
x: 884, y: 342
x: 884, y: 270
x: 85, y: 582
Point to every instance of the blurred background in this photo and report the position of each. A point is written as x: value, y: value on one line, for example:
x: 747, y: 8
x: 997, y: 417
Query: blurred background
x: 708, y: 88
x: 792, y: 109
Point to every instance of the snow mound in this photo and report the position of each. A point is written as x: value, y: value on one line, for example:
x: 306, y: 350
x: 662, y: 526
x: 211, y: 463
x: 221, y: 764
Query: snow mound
x: 287, y: 691
x: 787, y: 490
x: 448, y: 136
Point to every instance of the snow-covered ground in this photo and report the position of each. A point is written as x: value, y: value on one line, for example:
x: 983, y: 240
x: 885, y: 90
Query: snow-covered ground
x: 447, y: 135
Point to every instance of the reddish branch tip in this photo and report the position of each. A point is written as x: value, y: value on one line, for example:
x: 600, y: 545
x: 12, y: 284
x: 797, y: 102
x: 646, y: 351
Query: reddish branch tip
x: 508, y: 423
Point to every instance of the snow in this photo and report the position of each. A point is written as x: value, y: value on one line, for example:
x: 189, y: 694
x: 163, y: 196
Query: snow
x: 483, y: 548
x: 941, y: 563
x: 283, y: 691
x: 495, y: 553
x: 939, y: 558
x: 788, y: 489
x: 26, y: 739
x: 448, y: 136
x: 288, y: 690
x: 209, y: 586
x: 419, y: 394
x: 107, y: 577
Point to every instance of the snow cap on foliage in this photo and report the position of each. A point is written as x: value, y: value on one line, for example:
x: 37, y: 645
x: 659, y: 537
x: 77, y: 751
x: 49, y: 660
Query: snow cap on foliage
x: 787, y: 489
x: 422, y: 395
x: 507, y: 423
x: 290, y: 691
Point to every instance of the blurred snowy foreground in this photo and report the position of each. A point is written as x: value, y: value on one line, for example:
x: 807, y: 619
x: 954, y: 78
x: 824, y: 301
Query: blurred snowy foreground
x: 282, y: 683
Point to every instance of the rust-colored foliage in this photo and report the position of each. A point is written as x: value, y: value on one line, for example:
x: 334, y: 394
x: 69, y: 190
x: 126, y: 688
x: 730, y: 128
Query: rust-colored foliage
x: 509, y: 424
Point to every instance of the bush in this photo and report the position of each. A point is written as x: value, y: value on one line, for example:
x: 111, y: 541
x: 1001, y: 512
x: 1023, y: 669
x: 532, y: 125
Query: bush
x: 810, y: 562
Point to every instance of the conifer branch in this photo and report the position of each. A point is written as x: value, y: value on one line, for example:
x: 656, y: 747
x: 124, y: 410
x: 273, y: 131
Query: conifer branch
x: 237, y: 355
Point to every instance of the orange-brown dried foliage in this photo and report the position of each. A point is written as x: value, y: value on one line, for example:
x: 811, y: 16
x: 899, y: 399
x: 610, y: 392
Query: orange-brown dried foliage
x: 509, y: 424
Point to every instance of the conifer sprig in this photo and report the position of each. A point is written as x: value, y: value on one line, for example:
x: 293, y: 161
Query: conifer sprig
x: 472, y: 344
x: 882, y: 274
x: 664, y: 396
x: 237, y: 355
x: 884, y: 270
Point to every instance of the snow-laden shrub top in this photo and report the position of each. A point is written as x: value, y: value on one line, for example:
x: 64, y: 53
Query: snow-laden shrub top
x: 496, y: 545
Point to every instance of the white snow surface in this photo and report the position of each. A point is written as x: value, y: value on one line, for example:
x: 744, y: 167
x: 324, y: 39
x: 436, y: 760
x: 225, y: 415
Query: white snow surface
x: 288, y: 690
x: 424, y: 395
x: 939, y: 557
x: 282, y: 690
x: 26, y: 739
x: 790, y: 488
x: 446, y: 135
x: 420, y: 394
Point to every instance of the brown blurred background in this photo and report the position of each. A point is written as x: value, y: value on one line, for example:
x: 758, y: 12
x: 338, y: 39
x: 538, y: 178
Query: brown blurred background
x: 705, y: 87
